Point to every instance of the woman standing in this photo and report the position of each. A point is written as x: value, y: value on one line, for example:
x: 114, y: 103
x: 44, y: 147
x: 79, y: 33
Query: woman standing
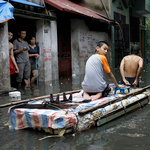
x: 33, y: 56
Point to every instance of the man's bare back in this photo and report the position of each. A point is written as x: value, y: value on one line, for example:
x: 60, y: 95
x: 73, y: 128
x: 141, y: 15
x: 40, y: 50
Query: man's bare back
x: 131, y: 67
x: 131, y: 64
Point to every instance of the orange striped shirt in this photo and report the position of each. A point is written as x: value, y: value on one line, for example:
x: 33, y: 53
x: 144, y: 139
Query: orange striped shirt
x: 105, y: 63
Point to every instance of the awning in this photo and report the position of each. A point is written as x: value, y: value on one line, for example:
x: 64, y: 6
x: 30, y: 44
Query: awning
x: 6, y: 11
x: 26, y: 3
x: 71, y: 7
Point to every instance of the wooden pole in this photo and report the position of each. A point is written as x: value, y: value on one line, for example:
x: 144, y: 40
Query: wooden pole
x: 45, y: 8
x: 125, y: 96
x: 36, y: 98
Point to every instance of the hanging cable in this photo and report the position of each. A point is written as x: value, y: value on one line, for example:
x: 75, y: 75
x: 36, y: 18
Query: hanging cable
x: 105, y: 9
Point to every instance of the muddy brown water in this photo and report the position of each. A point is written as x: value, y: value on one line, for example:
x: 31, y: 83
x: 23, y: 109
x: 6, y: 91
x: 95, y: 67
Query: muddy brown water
x: 131, y: 132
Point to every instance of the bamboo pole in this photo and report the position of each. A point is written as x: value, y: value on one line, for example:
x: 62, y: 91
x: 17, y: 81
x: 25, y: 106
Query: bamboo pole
x: 125, y: 96
x: 36, y: 98
x: 45, y: 7
x: 68, y: 92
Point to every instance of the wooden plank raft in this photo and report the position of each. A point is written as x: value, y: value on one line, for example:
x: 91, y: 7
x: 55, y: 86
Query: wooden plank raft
x: 120, y: 98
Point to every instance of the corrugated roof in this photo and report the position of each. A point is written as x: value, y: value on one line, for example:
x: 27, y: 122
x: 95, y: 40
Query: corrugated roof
x: 68, y: 6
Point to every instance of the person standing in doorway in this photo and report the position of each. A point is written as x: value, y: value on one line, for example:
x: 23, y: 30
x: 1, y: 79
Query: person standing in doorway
x: 21, y: 48
x: 131, y: 67
x: 13, y: 66
x: 33, y: 57
x: 12, y: 62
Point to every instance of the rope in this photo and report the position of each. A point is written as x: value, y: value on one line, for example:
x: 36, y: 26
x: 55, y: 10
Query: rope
x: 56, y: 107
x: 75, y: 128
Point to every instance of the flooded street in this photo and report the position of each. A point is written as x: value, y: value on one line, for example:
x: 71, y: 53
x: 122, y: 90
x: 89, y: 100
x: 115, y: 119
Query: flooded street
x: 131, y: 132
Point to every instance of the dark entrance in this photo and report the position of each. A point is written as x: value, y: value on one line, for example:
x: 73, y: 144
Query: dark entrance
x: 22, y: 23
x: 64, y: 48
x: 121, y: 37
x: 147, y: 46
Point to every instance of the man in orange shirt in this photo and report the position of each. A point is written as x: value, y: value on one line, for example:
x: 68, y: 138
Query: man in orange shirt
x: 93, y: 84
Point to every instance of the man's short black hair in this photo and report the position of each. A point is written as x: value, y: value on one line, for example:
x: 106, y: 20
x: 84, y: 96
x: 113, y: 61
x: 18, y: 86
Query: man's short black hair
x: 135, y: 49
x: 10, y: 32
x: 101, y: 43
x: 19, y: 31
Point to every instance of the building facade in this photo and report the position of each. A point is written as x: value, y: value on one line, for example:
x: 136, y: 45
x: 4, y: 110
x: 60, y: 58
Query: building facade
x: 67, y: 33
x: 66, y: 39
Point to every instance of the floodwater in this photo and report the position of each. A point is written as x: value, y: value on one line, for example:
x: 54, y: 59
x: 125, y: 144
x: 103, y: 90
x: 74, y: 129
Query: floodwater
x: 131, y: 132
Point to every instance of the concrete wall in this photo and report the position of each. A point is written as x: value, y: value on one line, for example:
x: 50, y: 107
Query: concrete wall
x: 4, y: 57
x: 96, y: 5
x: 39, y: 40
x: 46, y: 36
x: 54, y: 50
x: 83, y: 43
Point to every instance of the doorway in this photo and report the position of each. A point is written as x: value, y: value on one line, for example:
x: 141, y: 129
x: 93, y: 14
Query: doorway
x: 147, y: 46
x: 15, y: 26
x: 22, y: 23
x: 142, y: 44
x: 121, y: 37
x: 64, y: 48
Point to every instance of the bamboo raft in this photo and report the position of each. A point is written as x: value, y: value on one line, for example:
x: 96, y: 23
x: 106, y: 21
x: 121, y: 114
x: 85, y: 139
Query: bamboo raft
x: 70, y: 113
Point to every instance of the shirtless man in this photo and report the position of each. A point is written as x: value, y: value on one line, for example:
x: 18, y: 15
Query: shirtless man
x: 131, y: 67
x: 11, y: 52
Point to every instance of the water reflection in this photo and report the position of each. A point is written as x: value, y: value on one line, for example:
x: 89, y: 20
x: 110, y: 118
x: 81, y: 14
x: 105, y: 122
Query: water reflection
x: 76, y: 82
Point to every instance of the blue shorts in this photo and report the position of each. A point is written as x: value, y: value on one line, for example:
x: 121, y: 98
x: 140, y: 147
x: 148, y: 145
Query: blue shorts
x: 130, y: 80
